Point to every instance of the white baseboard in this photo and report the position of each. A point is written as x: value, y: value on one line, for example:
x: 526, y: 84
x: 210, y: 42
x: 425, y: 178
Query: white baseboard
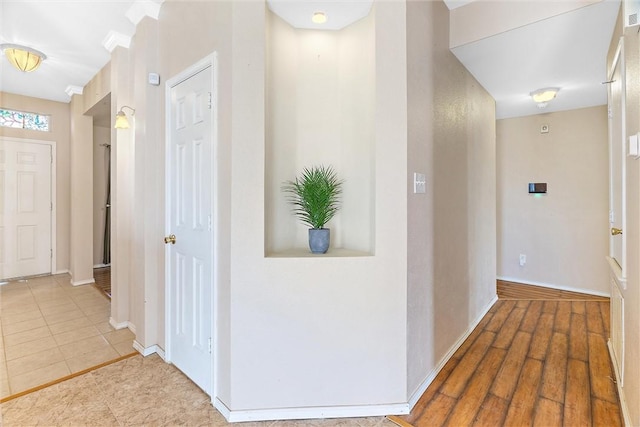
x: 623, y: 401
x: 309, y: 413
x: 147, y: 351
x: 415, y: 396
x: 82, y: 282
x: 61, y: 272
x: 121, y: 325
x: 556, y: 287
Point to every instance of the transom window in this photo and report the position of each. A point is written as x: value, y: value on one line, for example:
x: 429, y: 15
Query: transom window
x: 24, y: 120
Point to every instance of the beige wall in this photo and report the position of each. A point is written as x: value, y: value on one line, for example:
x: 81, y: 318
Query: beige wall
x: 451, y: 228
x: 564, y: 233
x: 59, y: 133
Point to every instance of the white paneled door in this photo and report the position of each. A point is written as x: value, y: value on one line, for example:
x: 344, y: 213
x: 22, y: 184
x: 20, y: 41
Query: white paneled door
x: 25, y: 208
x: 189, y: 211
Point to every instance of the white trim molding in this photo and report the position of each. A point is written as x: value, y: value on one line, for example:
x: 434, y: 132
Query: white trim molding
x: 74, y: 90
x: 623, y: 401
x: 121, y: 325
x: 141, y: 8
x: 82, y: 282
x: 148, y: 351
x: 309, y: 413
x: 115, y: 39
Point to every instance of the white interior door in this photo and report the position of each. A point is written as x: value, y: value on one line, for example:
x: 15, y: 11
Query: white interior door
x: 25, y: 208
x: 189, y: 212
x: 617, y: 163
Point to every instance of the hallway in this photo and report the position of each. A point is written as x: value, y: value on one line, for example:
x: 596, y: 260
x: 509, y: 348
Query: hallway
x: 50, y: 329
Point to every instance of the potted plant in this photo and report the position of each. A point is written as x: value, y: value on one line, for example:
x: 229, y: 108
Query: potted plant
x: 315, y: 196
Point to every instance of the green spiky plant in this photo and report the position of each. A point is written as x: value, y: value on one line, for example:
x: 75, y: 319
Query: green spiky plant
x: 315, y: 195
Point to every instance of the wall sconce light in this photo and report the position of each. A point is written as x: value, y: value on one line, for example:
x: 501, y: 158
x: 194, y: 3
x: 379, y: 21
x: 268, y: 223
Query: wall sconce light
x: 121, y: 118
x: 543, y: 96
x: 23, y: 58
x: 319, y: 18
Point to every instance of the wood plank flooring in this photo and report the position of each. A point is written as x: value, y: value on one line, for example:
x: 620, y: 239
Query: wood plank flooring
x: 530, y: 362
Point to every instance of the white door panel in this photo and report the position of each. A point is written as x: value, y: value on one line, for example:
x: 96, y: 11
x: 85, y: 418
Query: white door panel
x: 25, y: 209
x: 189, y: 207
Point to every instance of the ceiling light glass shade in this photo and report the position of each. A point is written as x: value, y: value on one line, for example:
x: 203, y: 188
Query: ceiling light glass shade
x: 319, y: 18
x: 121, y: 121
x: 23, y: 58
x: 544, y: 95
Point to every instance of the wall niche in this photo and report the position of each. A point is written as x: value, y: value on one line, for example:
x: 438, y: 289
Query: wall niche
x: 320, y: 109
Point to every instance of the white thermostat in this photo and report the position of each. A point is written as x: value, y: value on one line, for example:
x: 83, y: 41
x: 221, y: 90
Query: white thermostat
x: 154, y: 79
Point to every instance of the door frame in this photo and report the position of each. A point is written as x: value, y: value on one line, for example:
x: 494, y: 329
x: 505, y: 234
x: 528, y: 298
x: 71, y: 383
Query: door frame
x: 53, y: 216
x: 210, y: 60
x: 618, y: 63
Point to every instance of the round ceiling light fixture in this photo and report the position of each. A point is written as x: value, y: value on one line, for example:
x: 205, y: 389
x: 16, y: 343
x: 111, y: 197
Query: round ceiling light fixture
x: 544, y: 95
x: 319, y: 18
x: 23, y: 58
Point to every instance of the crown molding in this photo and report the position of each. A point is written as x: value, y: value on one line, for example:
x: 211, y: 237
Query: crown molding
x: 73, y: 90
x: 141, y: 8
x: 115, y: 39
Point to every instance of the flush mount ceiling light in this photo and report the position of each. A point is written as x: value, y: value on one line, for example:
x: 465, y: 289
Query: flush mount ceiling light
x: 543, y: 96
x: 23, y: 58
x: 319, y: 18
x: 121, y: 118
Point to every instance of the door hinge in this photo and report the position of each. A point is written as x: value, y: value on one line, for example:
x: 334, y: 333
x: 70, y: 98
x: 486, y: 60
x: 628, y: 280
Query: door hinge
x: 210, y: 345
x: 51, y: 253
x: 210, y: 100
x: 210, y: 223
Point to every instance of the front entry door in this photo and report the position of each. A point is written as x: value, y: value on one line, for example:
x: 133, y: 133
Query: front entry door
x: 189, y: 211
x: 25, y: 208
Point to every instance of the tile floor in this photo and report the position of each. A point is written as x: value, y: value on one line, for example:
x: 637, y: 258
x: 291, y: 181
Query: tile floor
x: 132, y: 392
x: 50, y: 329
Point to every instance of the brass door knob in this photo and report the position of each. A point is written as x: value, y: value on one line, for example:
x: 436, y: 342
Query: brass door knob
x: 170, y: 239
x: 615, y: 231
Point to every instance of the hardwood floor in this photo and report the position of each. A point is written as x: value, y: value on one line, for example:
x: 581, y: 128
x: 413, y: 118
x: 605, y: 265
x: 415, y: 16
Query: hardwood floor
x: 529, y: 362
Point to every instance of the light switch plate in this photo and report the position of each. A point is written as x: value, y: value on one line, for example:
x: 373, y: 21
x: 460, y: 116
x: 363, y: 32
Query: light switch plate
x: 154, y: 79
x: 419, y: 183
x: 633, y: 149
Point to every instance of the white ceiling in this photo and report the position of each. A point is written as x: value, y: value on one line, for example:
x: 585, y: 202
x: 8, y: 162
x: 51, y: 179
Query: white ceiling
x: 568, y: 51
x: 70, y: 33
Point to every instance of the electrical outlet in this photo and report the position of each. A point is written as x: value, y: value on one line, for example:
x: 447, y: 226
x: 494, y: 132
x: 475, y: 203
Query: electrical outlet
x: 523, y: 260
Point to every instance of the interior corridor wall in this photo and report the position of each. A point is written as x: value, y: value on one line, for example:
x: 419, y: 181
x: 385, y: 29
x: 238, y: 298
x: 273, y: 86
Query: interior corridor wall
x: 451, y: 228
x: 60, y: 133
x: 563, y: 233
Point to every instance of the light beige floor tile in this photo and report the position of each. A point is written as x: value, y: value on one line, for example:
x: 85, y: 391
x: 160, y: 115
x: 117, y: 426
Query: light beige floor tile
x: 104, y: 327
x: 124, y: 348
x: 4, y: 388
x: 27, y: 348
x: 86, y: 345
x: 33, y: 361
x: 4, y: 374
x: 14, y: 328
x: 49, y: 294
x: 38, y: 377
x: 63, y: 317
x: 99, y: 317
x: 76, y: 335
x: 26, y: 336
x: 96, y: 309
x: 57, y: 309
x: 9, y: 318
x: 50, y: 303
x: 70, y: 325
x: 87, y: 360
x: 17, y: 309
x: 17, y: 296
x: 11, y: 286
x: 119, y: 336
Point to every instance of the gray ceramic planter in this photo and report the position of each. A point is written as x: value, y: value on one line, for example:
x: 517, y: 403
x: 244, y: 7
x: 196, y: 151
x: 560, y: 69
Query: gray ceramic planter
x: 319, y: 240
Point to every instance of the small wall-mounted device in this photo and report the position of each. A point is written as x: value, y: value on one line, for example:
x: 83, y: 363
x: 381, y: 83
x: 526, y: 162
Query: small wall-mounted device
x: 537, y: 187
x: 544, y: 129
x: 154, y: 79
